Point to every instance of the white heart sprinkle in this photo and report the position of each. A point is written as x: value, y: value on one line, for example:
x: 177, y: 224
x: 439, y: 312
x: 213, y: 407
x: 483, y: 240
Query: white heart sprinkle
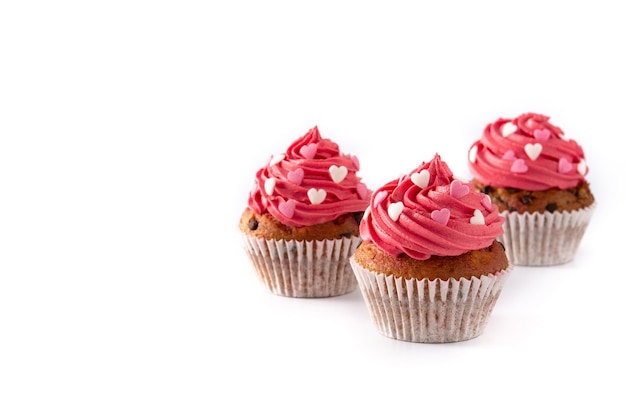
x: 316, y: 196
x: 472, y: 153
x: 338, y: 173
x: 277, y: 158
x: 533, y: 150
x: 421, y: 179
x: 508, y: 128
x: 582, y: 167
x: 395, y: 209
x: 477, y: 218
x: 270, y: 183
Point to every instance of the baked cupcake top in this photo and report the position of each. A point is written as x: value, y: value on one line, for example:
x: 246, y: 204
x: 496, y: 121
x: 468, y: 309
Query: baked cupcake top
x: 527, y: 153
x: 311, y: 183
x: 429, y: 212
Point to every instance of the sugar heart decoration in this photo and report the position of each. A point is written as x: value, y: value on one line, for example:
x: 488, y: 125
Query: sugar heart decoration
x: 440, y: 216
x: 564, y: 166
x: 361, y: 190
x: 270, y: 183
x: 338, y: 173
x: 472, y: 153
x: 380, y: 196
x: 355, y: 161
x: 509, y: 155
x: 508, y: 128
x: 395, y: 209
x: 316, y: 196
x: 477, y: 218
x: 276, y: 159
x: 541, y: 134
x: 533, y: 150
x: 519, y: 166
x: 421, y: 179
x: 296, y: 176
x: 287, y: 208
x: 458, y: 189
x: 582, y: 167
x: 309, y: 151
x: 486, y: 202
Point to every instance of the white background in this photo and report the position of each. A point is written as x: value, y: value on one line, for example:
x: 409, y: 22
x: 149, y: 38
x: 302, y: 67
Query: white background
x: 130, y: 132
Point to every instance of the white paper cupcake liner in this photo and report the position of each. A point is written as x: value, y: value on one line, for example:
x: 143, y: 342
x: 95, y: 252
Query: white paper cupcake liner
x: 307, y: 269
x: 429, y: 311
x: 543, y: 239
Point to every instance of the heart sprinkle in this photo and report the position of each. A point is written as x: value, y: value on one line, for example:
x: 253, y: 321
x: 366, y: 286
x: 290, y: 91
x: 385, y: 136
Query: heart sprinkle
x: 338, y: 173
x: 533, y: 150
x: 270, y: 183
x: 486, y: 201
x: 316, y: 196
x: 508, y: 128
x: 509, y: 155
x: 296, y: 176
x: 276, y: 159
x: 421, y: 179
x: 582, y: 167
x: 519, y: 166
x: 361, y: 190
x: 379, y: 197
x: 287, y: 208
x: 355, y: 161
x: 477, y: 218
x: 441, y: 216
x: 564, y: 166
x: 541, y: 134
x: 309, y: 151
x: 395, y: 209
x: 458, y: 189
x: 472, y: 154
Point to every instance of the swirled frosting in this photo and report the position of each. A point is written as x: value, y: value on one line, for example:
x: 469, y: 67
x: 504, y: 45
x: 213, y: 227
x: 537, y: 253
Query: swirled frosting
x: 313, y: 182
x: 428, y: 212
x: 528, y: 153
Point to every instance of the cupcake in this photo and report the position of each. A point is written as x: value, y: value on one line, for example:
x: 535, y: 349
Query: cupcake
x: 430, y: 268
x: 301, y: 224
x: 536, y: 177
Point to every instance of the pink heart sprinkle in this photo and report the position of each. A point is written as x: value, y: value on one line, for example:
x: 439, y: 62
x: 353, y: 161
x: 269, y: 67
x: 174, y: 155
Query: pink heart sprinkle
x: 355, y: 161
x: 564, y: 166
x: 541, y: 134
x: 309, y: 151
x: 519, y: 166
x: 287, y: 208
x: 509, y: 155
x: 379, y: 197
x: 458, y: 189
x: 361, y: 190
x: 441, y: 216
x: 486, y: 202
x: 296, y: 176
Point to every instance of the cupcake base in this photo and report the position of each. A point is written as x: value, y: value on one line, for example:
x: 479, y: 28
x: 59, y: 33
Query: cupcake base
x: 429, y: 311
x: 303, y: 269
x: 544, y: 239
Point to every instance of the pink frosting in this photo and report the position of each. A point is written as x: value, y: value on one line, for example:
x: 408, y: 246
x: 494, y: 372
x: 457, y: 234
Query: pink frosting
x: 312, y: 183
x: 527, y: 153
x: 428, y: 212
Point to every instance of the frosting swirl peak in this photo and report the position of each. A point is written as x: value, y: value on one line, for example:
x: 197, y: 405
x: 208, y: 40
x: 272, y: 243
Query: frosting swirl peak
x: 313, y: 182
x: 528, y: 153
x: 428, y: 212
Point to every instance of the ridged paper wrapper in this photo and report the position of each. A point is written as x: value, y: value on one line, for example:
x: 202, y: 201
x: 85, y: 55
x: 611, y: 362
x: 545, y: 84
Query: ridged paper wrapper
x: 426, y: 310
x: 303, y: 269
x: 544, y: 239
